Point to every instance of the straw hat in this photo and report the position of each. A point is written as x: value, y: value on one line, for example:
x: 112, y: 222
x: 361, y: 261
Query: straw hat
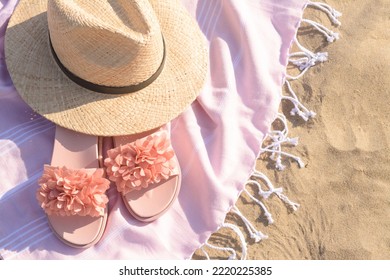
x: 106, y: 67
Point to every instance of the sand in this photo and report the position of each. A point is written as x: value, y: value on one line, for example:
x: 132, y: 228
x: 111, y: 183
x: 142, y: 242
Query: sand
x: 344, y: 190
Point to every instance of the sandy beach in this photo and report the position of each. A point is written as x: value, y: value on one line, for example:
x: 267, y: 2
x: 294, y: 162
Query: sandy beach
x: 344, y: 190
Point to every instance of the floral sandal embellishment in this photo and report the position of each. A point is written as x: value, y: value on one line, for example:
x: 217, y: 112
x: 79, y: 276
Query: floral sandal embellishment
x: 146, y: 161
x: 67, y: 192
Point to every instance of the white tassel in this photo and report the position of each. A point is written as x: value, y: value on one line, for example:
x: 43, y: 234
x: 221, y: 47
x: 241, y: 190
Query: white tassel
x: 292, y: 205
x: 329, y: 34
x: 277, y: 191
x: 278, y: 138
x: 241, y: 237
x: 205, y: 253
x: 299, y: 109
x: 256, y: 235
x: 233, y: 254
x: 306, y: 59
x: 332, y: 13
x: 231, y: 251
x: 267, y: 214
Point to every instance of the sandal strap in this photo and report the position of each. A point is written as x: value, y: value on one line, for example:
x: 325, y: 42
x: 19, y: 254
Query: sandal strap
x: 67, y: 192
x: 138, y: 164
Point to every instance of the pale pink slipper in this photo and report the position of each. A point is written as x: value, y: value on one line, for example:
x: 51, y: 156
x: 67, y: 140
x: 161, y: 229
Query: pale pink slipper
x: 72, y: 189
x: 146, y: 172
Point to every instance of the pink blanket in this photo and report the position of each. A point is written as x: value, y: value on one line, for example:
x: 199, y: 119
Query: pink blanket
x: 217, y: 140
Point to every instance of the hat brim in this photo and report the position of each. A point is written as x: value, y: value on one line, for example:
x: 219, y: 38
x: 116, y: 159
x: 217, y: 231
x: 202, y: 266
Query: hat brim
x: 49, y: 92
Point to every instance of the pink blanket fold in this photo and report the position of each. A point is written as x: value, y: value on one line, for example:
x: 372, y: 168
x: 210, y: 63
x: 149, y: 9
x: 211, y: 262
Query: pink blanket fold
x: 217, y: 140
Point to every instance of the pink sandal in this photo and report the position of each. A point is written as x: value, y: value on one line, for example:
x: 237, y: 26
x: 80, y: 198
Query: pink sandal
x: 146, y: 172
x: 72, y: 189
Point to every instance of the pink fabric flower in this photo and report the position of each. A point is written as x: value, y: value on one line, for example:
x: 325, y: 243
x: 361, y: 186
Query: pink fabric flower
x: 68, y: 192
x: 145, y: 161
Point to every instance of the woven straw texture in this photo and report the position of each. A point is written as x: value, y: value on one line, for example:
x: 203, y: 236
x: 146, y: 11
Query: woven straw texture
x: 111, y: 43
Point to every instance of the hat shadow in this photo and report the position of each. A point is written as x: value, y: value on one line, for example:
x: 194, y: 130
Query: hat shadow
x: 24, y: 226
x: 33, y: 235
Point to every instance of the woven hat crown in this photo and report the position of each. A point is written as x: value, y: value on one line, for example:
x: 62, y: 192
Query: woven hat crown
x: 106, y: 67
x: 110, y: 43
